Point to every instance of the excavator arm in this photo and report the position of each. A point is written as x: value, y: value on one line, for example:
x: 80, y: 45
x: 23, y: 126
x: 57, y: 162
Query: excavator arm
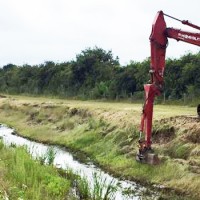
x: 158, y: 43
x: 189, y: 37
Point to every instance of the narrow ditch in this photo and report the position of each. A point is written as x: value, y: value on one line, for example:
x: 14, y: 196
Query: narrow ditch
x: 126, y: 190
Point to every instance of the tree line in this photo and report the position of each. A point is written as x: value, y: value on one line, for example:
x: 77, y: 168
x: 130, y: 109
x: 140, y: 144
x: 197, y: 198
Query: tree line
x: 95, y: 74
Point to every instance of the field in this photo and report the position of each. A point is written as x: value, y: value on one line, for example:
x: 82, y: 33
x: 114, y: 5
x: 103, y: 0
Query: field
x: 108, y: 132
x: 129, y: 112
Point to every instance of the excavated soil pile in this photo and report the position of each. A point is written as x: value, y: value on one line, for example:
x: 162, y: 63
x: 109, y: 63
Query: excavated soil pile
x: 186, y: 126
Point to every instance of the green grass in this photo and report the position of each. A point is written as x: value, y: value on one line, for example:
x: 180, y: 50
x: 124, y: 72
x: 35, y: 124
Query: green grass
x: 21, y: 177
x: 108, y: 133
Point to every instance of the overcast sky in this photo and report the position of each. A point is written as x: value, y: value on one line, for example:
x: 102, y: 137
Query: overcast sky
x: 35, y: 31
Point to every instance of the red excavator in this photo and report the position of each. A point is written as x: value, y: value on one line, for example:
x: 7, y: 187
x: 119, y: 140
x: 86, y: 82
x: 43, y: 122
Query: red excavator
x: 158, y: 42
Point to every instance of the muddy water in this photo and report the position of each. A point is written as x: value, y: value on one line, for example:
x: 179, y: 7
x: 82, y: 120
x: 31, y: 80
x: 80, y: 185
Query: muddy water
x: 65, y: 160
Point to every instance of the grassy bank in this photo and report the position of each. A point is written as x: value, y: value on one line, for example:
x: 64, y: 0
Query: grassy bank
x: 108, y: 133
x: 23, y: 178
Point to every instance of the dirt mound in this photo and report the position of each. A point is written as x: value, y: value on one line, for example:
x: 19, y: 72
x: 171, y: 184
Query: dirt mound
x: 181, y: 120
x: 187, y: 126
x: 163, y: 135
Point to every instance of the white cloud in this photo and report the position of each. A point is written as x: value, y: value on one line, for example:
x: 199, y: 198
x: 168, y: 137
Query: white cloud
x: 33, y: 31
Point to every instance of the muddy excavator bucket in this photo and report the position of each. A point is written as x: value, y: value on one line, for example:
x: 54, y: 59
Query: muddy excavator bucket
x: 146, y: 155
x: 148, y: 158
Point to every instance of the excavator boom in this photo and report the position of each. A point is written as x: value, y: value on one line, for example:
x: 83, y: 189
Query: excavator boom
x: 158, y: 44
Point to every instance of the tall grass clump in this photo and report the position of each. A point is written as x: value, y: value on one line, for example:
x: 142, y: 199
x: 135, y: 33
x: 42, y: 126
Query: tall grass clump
x: 95, y: 124
x: 96, y: 189
x: 103, y: 189
x: 48, y: 157
x: 82, y: 187
x: 67, y: 124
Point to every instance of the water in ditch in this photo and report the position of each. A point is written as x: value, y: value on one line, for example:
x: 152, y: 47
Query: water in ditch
x: 126, y: 190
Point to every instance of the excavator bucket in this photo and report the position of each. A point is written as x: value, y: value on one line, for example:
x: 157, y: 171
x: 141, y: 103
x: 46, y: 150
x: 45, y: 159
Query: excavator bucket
x: 146, y: 155
x: 148, y: 158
